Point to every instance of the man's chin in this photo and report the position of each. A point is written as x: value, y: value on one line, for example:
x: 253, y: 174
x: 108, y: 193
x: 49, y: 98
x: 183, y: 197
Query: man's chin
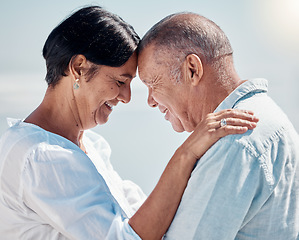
x: 176, y: 123
x: 177, y: 128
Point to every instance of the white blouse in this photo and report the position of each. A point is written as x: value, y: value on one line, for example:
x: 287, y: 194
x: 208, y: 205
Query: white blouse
x: 50, y: 189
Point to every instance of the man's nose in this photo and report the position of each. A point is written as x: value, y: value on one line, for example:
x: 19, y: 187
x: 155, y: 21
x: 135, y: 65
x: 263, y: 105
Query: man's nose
x: 150, y: 100
x: 125, y: 94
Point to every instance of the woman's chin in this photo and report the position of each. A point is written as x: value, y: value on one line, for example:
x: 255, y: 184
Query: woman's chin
x: 102, y: 121
x: 101, y: 117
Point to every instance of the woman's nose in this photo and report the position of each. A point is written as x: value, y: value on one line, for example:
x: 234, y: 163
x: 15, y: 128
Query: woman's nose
x: 125, y: 93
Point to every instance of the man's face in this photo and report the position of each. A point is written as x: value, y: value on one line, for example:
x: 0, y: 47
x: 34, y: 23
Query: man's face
x: 170, y: 97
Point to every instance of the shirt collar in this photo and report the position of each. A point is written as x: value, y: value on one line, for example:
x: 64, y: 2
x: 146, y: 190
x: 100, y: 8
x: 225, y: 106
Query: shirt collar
x: 250, y: 86
x: 12, y: 121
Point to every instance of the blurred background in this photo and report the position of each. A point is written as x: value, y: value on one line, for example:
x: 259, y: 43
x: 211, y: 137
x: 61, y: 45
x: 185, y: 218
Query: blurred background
x: 264, y: 35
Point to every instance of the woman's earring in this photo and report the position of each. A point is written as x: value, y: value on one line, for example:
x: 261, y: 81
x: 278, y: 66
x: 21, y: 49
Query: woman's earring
x: 76, y: 84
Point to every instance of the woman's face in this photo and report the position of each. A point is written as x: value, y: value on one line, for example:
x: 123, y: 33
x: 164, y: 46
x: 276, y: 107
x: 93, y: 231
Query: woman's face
x: 97, y: 97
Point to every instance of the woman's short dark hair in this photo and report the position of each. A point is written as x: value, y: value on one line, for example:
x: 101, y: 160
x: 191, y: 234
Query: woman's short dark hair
x: 102, y: 37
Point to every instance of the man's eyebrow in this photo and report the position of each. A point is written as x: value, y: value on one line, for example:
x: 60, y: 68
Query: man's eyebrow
x: 147, y: 82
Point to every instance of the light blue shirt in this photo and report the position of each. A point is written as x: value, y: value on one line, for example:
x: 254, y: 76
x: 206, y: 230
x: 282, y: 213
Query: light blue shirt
x: 50, y: 189
x: 245, y: 186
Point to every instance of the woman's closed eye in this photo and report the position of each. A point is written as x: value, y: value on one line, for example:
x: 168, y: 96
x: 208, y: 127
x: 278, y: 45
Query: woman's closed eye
x: 120, y: 83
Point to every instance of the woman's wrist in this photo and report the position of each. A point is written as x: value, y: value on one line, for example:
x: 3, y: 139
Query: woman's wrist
x: 186, y: 158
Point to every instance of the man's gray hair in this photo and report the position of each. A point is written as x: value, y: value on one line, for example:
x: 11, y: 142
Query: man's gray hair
x: 185, y: 33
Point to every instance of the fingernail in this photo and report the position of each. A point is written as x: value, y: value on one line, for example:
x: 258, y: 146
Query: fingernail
x: 253, y: 124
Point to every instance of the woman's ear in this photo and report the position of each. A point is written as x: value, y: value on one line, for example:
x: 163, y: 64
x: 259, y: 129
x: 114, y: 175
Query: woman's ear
x: 77, y: 65
x: 194, y: 69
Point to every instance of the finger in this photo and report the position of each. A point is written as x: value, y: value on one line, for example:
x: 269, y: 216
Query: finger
x: 229, y: 129
x: 239, y: 122
x: 232, y: 110
x: 237, y: 110
x: 237, y: 113
x: 232, y: 122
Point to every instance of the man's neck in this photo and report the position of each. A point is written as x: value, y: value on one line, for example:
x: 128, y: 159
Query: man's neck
x: 210, y: 93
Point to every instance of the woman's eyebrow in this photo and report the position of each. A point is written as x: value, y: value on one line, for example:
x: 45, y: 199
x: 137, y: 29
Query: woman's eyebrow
x: 127, y: 75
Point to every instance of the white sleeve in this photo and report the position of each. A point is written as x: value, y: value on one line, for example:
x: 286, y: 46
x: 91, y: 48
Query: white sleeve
x: 133, y: 194
x: 64, y: 188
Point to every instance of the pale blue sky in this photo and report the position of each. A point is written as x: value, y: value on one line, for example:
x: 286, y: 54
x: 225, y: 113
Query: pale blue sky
x: 264, y: 35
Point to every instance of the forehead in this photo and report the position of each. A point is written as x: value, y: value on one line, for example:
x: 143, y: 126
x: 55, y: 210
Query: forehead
x: 146, y: 55
x: 128, y: 69
x: 149, y: 62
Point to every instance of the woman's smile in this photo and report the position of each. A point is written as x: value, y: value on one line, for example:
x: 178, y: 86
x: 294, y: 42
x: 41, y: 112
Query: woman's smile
x: 109, y: 106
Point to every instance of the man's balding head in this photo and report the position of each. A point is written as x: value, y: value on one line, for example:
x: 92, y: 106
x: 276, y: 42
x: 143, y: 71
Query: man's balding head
x: 185, y: 33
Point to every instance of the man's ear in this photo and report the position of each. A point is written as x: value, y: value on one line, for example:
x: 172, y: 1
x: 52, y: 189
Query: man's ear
x: 77, y: 65
x: 194, y: 69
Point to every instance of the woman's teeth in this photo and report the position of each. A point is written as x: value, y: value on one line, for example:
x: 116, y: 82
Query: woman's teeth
x: 109, y: 105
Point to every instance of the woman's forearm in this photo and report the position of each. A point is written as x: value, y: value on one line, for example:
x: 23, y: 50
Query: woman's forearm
x: 153, y: 218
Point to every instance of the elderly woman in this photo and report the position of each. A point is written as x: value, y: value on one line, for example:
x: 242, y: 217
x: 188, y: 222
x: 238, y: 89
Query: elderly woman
x: 56, y: 178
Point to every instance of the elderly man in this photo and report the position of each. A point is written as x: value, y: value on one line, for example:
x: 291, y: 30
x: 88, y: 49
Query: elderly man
x: 246, y: 186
